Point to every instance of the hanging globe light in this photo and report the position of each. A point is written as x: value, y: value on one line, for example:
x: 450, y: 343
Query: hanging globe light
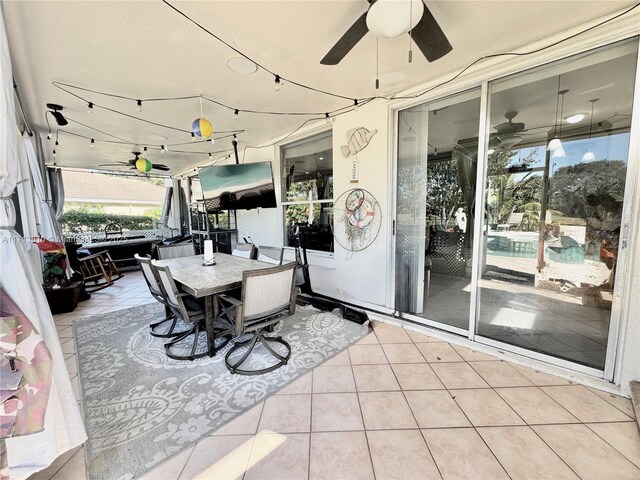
x: 143, y: 165
x: 202, y: 127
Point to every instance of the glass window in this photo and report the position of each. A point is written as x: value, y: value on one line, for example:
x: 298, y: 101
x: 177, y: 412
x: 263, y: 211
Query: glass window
x: 307, y: 190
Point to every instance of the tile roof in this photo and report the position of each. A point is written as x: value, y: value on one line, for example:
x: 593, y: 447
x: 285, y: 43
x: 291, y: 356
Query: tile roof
x: 81, y: 185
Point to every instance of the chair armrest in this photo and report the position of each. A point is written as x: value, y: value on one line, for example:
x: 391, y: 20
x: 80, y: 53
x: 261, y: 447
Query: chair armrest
x: 89, y: 257
x: 227, y: 298
x: 234, y: 307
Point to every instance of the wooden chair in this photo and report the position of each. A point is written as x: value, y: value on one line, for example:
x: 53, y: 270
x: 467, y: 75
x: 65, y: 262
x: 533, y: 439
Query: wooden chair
x: 246, y: 250
x: 267, y: 296
x: 100, y: 269
x: 175, y: 251
x: 272, y: 255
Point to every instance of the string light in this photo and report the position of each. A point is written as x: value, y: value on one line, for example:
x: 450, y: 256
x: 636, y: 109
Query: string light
x: 139, y: 105
x: 278, y: 83
x: 93, y: 143
x: 210, y: 157
x: 193, y: 137
x: 90, y: 107
x: 356, y: 107
x: 163, y: 148
x: 235, y: 114
x: 49, y: 135
x: 328, y: 119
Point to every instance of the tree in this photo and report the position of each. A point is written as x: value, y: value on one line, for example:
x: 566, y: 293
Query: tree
x: 508, y: 193
x: 592, y: 191
x: 444, y: 195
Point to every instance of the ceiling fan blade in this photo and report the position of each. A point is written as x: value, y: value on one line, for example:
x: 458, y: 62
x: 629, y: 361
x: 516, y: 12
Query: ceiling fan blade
x: 118, y: 164
x: 430, y: 38
x: 159, y: 166
x: 506, y: 128
x: 347, y: 42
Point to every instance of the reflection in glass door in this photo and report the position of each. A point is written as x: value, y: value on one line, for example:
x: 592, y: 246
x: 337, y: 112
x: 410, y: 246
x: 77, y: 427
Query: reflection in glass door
x: 436, y: 189
x: 556, y: 173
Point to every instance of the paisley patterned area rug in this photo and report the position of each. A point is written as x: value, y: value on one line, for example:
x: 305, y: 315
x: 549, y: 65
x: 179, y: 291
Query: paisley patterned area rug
x: 141, y: 408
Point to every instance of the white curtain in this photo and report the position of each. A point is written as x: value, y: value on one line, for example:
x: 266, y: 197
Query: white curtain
x: 56, y: 191
x: 49, y: 227
x: 19, y: 278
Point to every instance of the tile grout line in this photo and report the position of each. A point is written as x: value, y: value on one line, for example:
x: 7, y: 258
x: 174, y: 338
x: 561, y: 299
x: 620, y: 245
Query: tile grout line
x: 253, y: 437
x: 614, y: 448
x: 364, y: 426
x: 433, y: 459
x: 311, y: 424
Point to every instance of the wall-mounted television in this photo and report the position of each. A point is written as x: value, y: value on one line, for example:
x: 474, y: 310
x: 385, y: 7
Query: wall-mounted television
x: 237, y: 186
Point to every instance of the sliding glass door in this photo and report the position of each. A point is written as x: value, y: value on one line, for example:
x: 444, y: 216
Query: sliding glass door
x: 556, y: 175
x: 436, y: 185
x: 552, y: 231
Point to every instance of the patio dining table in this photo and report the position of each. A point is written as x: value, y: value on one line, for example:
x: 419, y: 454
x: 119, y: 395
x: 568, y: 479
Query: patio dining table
x: 209, y: 281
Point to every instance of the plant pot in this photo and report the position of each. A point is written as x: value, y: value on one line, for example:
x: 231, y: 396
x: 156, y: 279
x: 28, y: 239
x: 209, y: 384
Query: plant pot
x: 64, y: 299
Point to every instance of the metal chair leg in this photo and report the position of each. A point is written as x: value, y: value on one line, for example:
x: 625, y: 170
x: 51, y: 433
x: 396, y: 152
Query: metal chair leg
x: 250, y: 345
x: 195, y: 331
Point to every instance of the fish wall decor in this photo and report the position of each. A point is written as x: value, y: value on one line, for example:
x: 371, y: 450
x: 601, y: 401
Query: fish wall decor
x: 357, y: 140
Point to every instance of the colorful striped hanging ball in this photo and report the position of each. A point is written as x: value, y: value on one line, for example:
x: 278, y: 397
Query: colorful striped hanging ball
x: 202, y: 127
x: 144, y: 165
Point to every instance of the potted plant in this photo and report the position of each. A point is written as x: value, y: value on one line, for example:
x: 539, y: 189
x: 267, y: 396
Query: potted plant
x: 61, y: 294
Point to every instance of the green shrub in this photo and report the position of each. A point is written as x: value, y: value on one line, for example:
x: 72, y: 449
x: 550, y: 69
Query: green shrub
x: 76, y: 221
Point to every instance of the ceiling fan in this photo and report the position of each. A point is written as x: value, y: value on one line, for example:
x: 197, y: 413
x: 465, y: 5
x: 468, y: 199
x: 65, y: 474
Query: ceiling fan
x: 509, y: 127
x: 132, y: 163
x: 391, y: 18
x: 507, y: 133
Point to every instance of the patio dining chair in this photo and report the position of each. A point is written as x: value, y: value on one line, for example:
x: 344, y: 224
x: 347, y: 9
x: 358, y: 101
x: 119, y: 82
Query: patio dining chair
x: 271, y: 255
x: 246, y: 250
x: 176, y: 250
x: 189, y: 345
x: 158, y: 328
x: 268, y: 295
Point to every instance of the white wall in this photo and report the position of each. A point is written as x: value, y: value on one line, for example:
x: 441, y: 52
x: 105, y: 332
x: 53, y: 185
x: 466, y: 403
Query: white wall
x: 362, y: 277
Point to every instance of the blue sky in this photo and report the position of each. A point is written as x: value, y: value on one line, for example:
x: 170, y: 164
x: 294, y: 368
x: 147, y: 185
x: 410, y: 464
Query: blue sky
x: 610, y: 147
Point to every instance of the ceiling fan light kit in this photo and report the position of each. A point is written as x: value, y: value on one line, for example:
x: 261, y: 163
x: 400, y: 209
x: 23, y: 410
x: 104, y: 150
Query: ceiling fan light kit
x: 143, y: 165
x: 392, y: 18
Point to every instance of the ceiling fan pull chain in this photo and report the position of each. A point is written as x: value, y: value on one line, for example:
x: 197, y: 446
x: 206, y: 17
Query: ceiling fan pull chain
x: 377, y: 64
x: 410, y: 30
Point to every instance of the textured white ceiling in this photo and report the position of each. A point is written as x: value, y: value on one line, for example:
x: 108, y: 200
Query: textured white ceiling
x: 145, y: 49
